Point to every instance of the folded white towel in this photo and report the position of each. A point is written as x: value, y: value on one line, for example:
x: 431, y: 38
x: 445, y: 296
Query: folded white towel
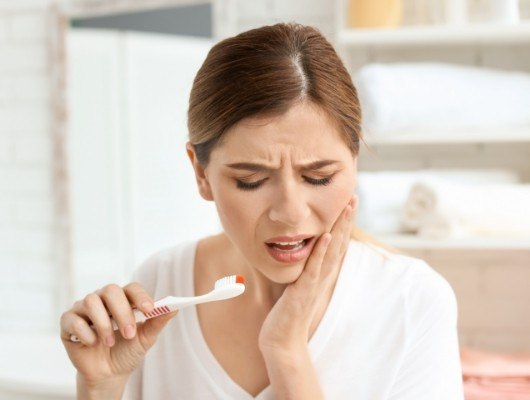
x: 442, y: 209
x: 442, y: 224
x: 382, y: 195
x: 435, y: 96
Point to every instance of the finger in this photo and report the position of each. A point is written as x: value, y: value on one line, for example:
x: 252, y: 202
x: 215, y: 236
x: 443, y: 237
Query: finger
x: 94, y: 309
x: 139, y: 297
x: 120, y: 309
x: 149, y: 331
x: 340, y: 232
x: 73, y: 324
x: 311, y: 273
x: 343, y: 218
x: 348, y: 227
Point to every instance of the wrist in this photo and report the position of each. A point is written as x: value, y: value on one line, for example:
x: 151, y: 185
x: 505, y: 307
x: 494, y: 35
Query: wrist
x: 107, y: 389
x: 291, y: 373
x: 287, y: 355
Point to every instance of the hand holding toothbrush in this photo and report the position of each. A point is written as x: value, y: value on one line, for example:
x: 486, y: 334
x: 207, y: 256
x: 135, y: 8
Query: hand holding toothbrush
x: 104, y: 359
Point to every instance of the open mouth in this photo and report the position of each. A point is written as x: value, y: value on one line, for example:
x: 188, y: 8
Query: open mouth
x: 290, y: 252
x: 289, y: 246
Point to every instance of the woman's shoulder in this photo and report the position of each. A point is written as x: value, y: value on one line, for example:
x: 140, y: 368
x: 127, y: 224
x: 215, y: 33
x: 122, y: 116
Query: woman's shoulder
x: 409, y: 278
x: 164, y: 265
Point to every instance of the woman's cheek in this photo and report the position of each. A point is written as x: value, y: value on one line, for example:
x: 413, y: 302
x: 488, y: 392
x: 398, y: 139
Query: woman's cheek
x: 236, y: 212
x: 337, y: 199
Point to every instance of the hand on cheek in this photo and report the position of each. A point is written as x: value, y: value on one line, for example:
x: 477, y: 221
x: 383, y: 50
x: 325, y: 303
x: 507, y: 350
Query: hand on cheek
x: 341, y: 235
x: 287, y: 326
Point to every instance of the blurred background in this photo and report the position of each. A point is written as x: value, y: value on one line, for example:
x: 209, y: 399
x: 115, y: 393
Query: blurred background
x: 94, y: 176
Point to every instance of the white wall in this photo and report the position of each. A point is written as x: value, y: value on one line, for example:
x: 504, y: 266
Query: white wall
x: 28, y: 275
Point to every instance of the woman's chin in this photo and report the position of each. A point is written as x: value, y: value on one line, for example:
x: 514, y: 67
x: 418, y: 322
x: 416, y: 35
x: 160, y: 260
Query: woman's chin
x: 284, y: 274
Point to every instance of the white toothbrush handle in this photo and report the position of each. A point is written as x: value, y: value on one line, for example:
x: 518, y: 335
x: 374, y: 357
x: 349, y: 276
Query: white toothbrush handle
x: 170, y: 303
x: 161, y: 307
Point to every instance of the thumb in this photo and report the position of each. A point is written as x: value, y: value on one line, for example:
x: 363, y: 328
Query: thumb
x: 151, y: 328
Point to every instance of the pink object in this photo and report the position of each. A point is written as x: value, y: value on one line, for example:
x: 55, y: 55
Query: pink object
x: 490, y: 375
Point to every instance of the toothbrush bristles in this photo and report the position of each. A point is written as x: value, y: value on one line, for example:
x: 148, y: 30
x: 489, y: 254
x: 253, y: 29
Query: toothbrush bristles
x: 229, y: 280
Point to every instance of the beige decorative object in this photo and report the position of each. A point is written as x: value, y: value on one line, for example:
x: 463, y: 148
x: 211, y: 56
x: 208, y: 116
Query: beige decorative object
x: 375, y: 13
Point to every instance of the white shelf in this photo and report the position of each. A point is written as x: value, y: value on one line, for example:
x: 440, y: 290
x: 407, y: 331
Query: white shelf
x: 484, y: 33
x: 419, y: 40
x: 499, y: 135
x: 469, y: 243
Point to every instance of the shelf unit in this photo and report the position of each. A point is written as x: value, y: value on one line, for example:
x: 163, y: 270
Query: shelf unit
x: 413, y: 242
x: 476, y: 34
x: 420, y: 43
x: 510, y: 135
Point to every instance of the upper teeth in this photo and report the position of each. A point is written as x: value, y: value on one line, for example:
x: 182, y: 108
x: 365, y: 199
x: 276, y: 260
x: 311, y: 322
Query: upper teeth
x: 288, y: 243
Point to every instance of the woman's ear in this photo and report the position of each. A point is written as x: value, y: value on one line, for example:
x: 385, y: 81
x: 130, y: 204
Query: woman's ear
x: 202, y: 180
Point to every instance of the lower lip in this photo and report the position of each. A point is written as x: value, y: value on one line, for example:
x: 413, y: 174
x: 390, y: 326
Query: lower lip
x: 289, y: 257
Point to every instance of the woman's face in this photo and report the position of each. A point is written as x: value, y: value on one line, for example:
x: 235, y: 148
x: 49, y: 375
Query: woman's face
x: 278, y: 184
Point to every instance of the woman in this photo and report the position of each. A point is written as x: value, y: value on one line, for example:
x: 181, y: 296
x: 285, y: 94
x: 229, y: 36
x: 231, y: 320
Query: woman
x: 274, y: 125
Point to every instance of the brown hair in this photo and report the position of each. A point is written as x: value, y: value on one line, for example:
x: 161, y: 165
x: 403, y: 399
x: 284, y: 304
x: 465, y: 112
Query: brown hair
x: 265, y: 71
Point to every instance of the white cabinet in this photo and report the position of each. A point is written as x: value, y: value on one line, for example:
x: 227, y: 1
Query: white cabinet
x: 132, y: 190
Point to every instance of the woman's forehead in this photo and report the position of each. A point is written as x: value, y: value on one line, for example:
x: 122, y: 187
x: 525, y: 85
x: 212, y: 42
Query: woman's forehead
x: 303, y: 133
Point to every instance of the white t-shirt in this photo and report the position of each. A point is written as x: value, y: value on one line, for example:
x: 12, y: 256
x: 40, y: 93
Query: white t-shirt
x: 389, y: 332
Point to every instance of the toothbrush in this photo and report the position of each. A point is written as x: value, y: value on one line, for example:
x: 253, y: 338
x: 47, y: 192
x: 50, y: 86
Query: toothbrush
x: 224, y: 288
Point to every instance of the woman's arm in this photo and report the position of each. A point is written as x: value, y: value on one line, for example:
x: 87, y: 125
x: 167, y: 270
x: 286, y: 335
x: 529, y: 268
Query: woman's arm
x: 287, y: 328
x: 111, y: 391
x: 105, y: 358
x: 292, y: 375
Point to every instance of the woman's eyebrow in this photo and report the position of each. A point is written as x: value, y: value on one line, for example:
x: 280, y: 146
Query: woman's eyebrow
x: 261, y: 167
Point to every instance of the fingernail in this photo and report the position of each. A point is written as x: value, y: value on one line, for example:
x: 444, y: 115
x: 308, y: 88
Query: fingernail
x: 129, y: 332
x: 348, y: 213
x: 146, y: 305
x: 327, y: 239
x: 109, y: 341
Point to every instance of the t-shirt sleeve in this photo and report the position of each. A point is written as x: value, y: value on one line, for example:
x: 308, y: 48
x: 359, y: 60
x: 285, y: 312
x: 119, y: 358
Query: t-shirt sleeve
x: 146, y: 274
x: 431, y: 366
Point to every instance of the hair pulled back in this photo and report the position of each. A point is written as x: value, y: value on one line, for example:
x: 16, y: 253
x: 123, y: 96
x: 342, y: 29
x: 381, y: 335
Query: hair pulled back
x: 263, y: 72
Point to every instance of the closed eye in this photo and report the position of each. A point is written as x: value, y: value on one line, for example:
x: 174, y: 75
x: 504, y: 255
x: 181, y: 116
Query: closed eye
x: 254, y: 185
x: 249, y: 185
x: 322, y: 181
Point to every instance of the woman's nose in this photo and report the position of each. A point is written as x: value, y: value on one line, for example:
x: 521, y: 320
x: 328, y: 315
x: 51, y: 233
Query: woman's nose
x: 290, y: 207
